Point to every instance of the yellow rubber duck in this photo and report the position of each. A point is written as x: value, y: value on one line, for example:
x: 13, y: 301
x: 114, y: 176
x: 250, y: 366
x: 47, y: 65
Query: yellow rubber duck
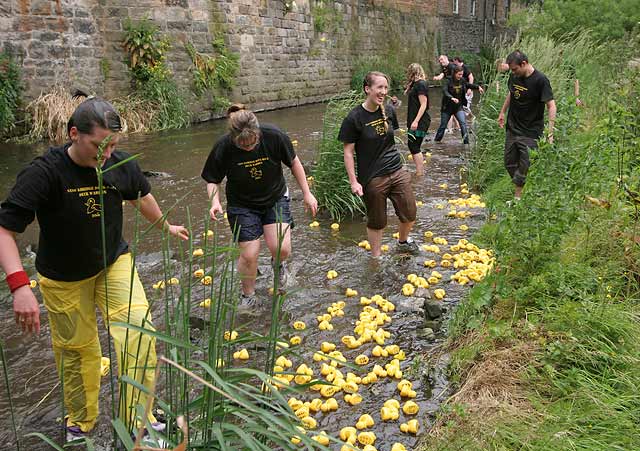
x: 384, y: 248
x: 430, y: 263
x: 347, y: 432
x: 361, y: 359
x: 206, y: 303
x: 209, y: 233
x: 294, y: 142
x: 295, y: 340
x: 389, y: 414
x: 229, y: 335
x: 419, y: 203
x: 299, y: 325
x: 410, y: 408
x: 367, y: 438
x: 331, y: 405
x: 396, y: 235
x: 325, y: 325
x: 33, y: 283
x: 350, y: 387
x: 398, y: 447
x: 327, y: 391
x: 369, y: 448
x: 315, y: 405
x: 198, y: 252
x: 243, y: 354
x: 302, y: 411
x: 443, y: 186
x: 408, y: 289
x: 321, y: 438
x: 327, y: 347
x: 199, y: 273
x: 365, y: 300
x: 392, y: 349
x: 309, y: 423
x: 350, y: 293
x: 464, y: 227
x: 335, y: 226
x: 439, y: 293
x: 365, y: 421
x: 159, y: 286
x: 332, y: 274
x: 353, y: 398
x: 410, y: 427
x: 433, y: 280
x: 206, y: 280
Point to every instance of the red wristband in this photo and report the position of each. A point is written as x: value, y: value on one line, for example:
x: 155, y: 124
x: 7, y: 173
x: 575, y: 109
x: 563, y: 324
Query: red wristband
x: 17, y: 279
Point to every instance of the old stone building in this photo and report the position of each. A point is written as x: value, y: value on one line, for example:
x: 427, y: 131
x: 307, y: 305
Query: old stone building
x: 287, y: 56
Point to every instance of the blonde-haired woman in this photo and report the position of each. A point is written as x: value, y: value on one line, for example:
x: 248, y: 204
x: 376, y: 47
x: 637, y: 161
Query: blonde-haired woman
x: 250, y: 157
x: 366, y: 135
x: 418, y: 119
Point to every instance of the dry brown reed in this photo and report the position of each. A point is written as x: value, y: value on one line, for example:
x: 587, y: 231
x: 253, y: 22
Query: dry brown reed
x: 51, y: 110
x: 493, y: 385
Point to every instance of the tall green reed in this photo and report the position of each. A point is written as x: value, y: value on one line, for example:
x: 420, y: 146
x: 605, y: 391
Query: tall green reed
x: 330, y: 180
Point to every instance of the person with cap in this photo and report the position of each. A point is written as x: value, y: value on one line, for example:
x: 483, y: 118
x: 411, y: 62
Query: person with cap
x: 61, y: 189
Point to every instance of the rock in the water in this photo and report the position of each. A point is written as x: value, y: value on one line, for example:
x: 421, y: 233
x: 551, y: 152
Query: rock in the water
x: 427, y: 334
x: 407, y: 303
x: 432, y: 309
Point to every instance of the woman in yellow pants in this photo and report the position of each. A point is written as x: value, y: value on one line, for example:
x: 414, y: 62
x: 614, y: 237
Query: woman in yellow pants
x: 61, y: 188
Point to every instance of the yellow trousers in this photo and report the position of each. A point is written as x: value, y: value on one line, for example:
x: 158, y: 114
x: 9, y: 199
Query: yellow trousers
x: 76, y: 347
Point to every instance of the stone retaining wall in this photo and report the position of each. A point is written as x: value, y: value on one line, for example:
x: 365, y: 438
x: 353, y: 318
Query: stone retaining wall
x: 288, y: 55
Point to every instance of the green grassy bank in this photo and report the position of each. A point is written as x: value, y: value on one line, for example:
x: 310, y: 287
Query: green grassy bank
x: 545, y: 353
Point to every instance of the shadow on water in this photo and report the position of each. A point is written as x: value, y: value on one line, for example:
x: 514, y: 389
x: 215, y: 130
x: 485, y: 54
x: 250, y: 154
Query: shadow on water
x: 176, y: 158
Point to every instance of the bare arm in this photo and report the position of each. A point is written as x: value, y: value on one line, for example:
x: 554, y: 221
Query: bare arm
x: 349, y: 151
x: 213, y: 191
x: 503, y: 110
x: 551, y: 106
x: 439, y: 76
x: 25, y: 305
x: 150, y: 209
x: 423, y: 107
x: 298, y: 172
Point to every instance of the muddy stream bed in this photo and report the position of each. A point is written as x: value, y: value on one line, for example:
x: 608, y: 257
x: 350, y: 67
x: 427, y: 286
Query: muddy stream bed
x: 176, y: 159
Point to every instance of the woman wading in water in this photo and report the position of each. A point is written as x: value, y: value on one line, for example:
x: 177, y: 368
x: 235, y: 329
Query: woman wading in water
x: 418, y: 119
x: 366, y: 134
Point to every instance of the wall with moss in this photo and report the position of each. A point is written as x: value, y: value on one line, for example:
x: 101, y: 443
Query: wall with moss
x: 291, y: 52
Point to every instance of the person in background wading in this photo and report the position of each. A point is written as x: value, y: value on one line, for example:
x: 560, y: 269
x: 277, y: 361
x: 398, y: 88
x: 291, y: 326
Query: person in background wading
x: 60, y: 188
x: 453, y: 100
x: 467, y: 75
x: 529, y: 93
x: 366, y: 135
x: 418, y: 119
x: 250, y: 157
x: 392, y: 105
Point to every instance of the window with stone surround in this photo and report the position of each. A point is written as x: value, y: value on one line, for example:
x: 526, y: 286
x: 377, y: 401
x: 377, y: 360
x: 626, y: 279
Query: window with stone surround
x: 456, y: 7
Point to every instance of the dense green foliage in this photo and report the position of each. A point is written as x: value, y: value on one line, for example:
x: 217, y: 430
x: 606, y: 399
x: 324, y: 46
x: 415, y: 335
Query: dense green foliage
x: 390, y: 66
x: 330, y: 180
x: 214, y: 73
x: 605, y: 19
x: 10, y: 93
x: 153, y: 81
x: 567, y: 281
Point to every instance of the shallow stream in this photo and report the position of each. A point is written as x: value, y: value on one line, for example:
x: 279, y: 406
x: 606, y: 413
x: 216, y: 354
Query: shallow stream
x: 177, y: 157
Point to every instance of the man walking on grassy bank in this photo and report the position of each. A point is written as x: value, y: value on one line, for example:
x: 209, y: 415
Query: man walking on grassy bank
x: 61, y: 189
x: 529, y: 92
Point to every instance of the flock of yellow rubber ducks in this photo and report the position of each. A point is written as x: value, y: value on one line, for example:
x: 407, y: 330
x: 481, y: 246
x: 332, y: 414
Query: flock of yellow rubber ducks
x: 472, y: 265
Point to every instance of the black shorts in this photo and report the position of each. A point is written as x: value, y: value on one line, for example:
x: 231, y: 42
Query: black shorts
x: 247, y: 223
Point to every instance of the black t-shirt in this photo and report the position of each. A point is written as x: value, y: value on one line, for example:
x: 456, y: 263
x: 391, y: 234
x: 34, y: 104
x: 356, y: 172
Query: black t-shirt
x: 455, y: 89
x: 465, y: 73
x: 375, y: 149
x: 254, y: 178
x: 66, y: 200
x: 413, y: 105
x: 526, y: 108
x: 448, y: 69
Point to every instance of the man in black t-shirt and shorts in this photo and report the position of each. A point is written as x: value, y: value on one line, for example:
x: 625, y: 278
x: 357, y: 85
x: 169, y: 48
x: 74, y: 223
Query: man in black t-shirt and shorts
x: 250, y: 157
x: 529, y: 92
x: 61, y: 189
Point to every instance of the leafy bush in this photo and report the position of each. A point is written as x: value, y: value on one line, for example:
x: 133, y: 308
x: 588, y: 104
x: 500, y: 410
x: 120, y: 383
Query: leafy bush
x: 153, y: 81
x: 10, y: 93
x: 389, y: 66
